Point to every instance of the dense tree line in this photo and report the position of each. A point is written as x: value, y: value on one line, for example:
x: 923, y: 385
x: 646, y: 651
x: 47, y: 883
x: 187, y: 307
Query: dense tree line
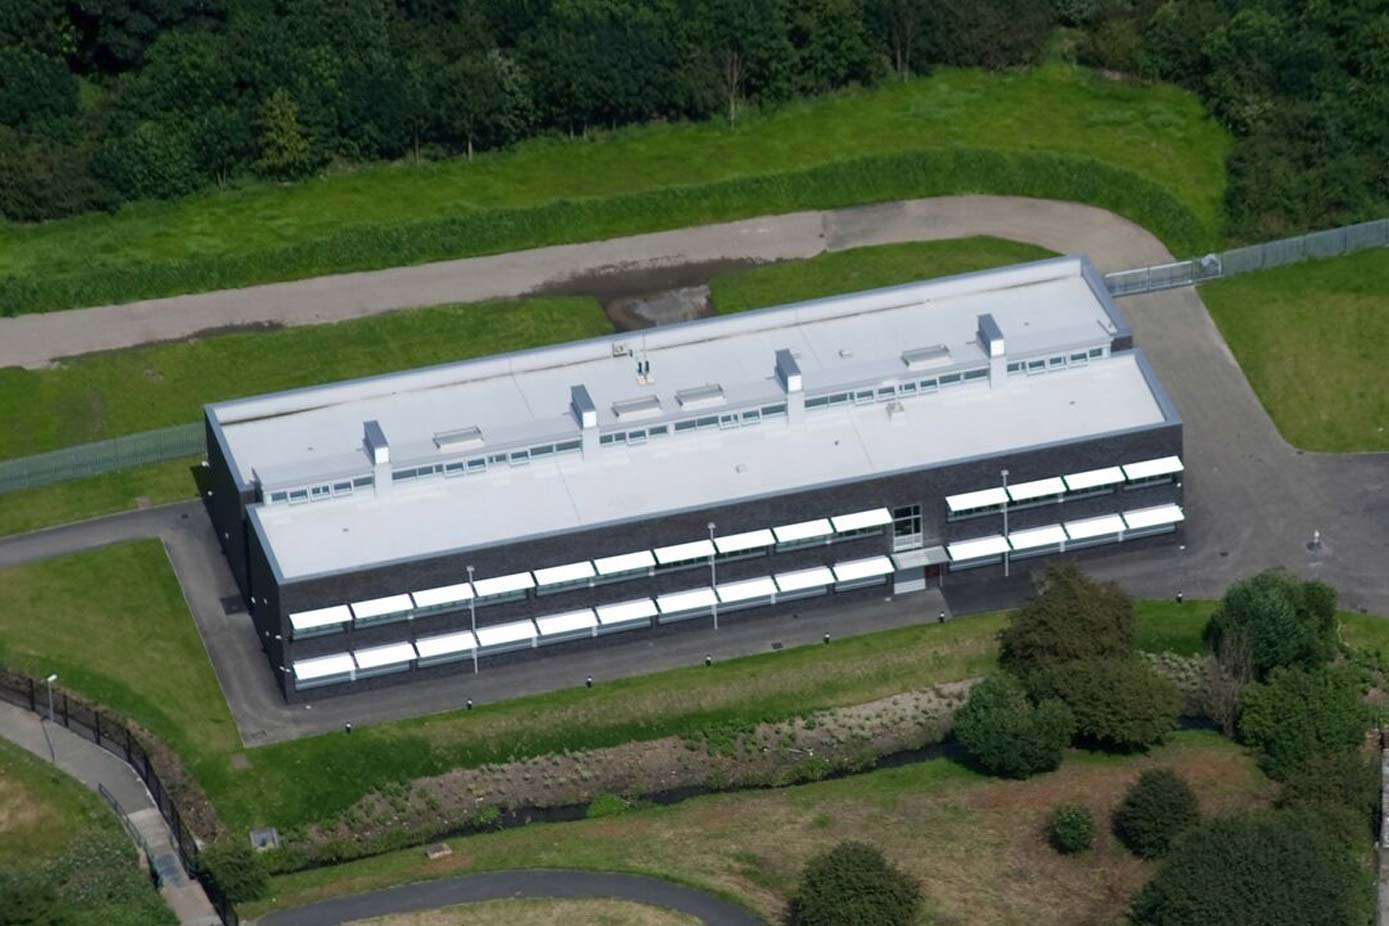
x: 103, y: 101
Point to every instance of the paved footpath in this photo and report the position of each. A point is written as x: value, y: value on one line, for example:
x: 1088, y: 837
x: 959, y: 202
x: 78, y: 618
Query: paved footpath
x: 1116, y: 244
x: 506, y: 885
x: 92, y: 765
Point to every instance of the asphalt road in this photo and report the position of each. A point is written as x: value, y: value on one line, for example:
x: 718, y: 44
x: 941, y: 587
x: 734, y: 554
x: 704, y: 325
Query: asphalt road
x: 554, y: 884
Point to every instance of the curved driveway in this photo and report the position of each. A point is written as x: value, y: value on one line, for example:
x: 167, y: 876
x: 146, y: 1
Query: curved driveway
x: 556, y: 884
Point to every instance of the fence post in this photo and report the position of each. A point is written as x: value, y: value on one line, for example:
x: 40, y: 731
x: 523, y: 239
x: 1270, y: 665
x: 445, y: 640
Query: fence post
x: 67, y: 720
x: 127, y: 743
x: 33, y: 704
x: 97, y: 726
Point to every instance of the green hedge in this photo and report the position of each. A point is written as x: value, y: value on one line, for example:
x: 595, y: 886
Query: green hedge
x: 843, y: 183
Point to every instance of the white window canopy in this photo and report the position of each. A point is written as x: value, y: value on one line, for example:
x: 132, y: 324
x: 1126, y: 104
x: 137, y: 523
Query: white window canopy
x: 568, y: 622
x: 625, y: 562
x: 1040, y: 488
x: 503, y: 585
x: 1094, y: 527
x: 1094, y: 478
x: 693, y: 600
x: 747, y: 590
x: 443, y: 595
x: 994, y: 545
x: 681, y: 552
x: 306, y: 670
x: 984, y: 498
x: 1151, y: 469
x: 626, y: 612
x: 374, y: 657
x: 862, y: 569
x: 1033, y: 538
x: 445, y: 644
x: 801, y: 579
x: 502, y: 634
x: 751, y: 540
x: 376, y: 607
x: 1156, y: 516
x: 861, y: 520
x: 320, y: 617
x: 572, y: 572
x: 803, y: 530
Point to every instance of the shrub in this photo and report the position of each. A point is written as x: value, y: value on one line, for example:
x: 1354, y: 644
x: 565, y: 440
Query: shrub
x: 1158, y: 808
x: 1006, y: 735
x: 235, y: 868
x: 1118, y: 704
x: 1342, y: 787
x: 1298, y: 714
x: 1072, y: 618
x: 1273, y: 869
x: 1273, y: 620
x: 1072, y: 828
x: 854, y: 885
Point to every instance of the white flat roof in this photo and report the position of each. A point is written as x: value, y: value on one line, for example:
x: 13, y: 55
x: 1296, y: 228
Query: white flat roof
x: 851, y: 342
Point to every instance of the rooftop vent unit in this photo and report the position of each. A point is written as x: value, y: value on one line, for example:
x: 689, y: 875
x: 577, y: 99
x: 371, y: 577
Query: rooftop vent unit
x: 701, y: 396
x: 374, y: 440
x: 648, y: 406
x: 459, y: 439
x: 923, y: 357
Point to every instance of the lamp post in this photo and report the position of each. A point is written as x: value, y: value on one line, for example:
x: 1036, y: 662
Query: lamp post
x: 713, y: 575
x: 52, y: 754
x: 1005, y: 523
x: 472, y: 614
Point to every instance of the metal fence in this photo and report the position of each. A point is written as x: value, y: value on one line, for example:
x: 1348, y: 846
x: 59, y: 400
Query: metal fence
x: 102, y: 457
x: 1327, y: 243
x: 110, y: 734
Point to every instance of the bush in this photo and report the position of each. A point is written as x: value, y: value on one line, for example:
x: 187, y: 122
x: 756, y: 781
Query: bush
x: 1072, y: 618
x: 1274, y: 869
x: 1342, y: 787
x: 1072, y: 828
x: 1273, y: 620
x: 854, y: 885
x: 1118, y: 704
x: 1158, y: 808
x: 1006, y: 735
x: 1298, y: 715
x: 235, y: 868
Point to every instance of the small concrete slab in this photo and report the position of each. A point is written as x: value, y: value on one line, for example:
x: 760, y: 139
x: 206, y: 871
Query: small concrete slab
x: 240, y: 761
x: 265, y: 839
x: 438, y: 850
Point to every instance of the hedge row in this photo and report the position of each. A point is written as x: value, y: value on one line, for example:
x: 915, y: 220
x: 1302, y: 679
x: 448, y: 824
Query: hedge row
x: 842, y: 183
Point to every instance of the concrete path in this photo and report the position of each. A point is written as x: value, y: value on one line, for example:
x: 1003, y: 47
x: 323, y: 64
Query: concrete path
x: 505, y: 885
x: 92, y: 765
x: 38, y: 340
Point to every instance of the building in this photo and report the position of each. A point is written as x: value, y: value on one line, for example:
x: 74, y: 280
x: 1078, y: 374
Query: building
x: 583, y: 494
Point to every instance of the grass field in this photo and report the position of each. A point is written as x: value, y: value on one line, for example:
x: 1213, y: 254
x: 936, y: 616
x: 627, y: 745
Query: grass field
x: 975, y: 843
x: 1147, y: 151
x: 80, y: 499
x: 1311, y: 340
x: 42, y: 810
x: 540, y: 913
x: 863, y: 268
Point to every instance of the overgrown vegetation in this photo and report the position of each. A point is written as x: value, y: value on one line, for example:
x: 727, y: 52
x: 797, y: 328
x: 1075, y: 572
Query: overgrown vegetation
x: 1299, y: 714
x: 1120, y: 704
x: 1006, y: 734
x: 236, y: 869
x: 1274, y: 620
x: 1071, y: 618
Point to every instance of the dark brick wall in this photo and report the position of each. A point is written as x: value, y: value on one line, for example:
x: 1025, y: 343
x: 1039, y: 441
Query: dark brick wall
x: 227, y: 508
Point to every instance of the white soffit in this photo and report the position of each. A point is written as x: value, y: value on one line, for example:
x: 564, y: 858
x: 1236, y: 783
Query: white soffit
x: 751, y: 540
x: 501, y: 585
x: 993, y: 545
x: 860, y: 520
x: 817, y: 577
x: 626, y: 611
x: 568, y: 622
x: 391, y: 604
x: 1049, y: 536
x: 1094, y: 478
x: 320, y: 617
x: 692, y: 600
x: 1153, y: 517
x: 446, y: 643
x: 1040, y: 488
x: 572, y: 572
x: 984, y: 498
x: 444, y: 594
x: 1148, y: 469
x: 625, y: 562
x: 1094, y: 527
x: 680, y: 552
x: 500, y: 634
x: 320, y: 666
x: 747, y: 590
x: 803, y: 530
x: 391, y: 654
x: 862, y: 568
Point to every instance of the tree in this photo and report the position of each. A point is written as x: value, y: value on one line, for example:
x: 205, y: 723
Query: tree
x: 42, y: 179
x: 1282, y: 621
x: 487, y: 100
x: 152, y: 161
x: 1119, y: 704
x: 1158, y: 808
x: 1298, y: 714
x: 897, y: 26
x: 989, y: 33
x: 1073, y: 617
x: 34, y: 88
x: 1003, y: 732
x: 1272, y: 869
x: 1072, y: 828
x: 284, y: 150
x: 830, y: 44
x: 1342, y: 787
x: 743, y: 48
x: 112, y: 35
x: 854, y: 885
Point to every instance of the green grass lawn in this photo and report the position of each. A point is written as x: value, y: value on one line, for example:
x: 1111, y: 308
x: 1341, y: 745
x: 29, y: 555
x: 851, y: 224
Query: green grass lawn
x: 863, y: 268
x: 1311, y: 338
x: 1146, y: 150
x: 976, y: 843
x: 42, y: 810
x: 80, y: 499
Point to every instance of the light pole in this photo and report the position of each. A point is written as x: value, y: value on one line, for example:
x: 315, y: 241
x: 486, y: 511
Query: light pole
x: 713, y: 575
x: 1005, y: 523
x: 472, y: 614
x: 52, y: 755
